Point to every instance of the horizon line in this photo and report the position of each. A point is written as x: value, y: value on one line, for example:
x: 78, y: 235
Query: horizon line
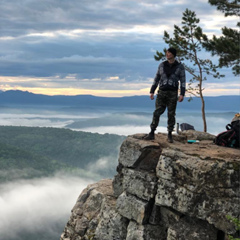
x: 54, y: 95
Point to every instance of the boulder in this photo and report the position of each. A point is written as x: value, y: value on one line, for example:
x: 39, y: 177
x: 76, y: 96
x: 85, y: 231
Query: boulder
x: 94, y: 215
x: 145, y: 232
x: 134, y: 208
x: 136, y: 153
x: 206, y: 189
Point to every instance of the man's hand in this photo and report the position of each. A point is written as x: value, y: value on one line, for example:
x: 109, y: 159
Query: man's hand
x: 151, y: 96
x: 180, y: 98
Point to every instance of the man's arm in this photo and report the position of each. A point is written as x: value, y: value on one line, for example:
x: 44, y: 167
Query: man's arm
x: 180, y: 98
x: 151, y: 96
x: 155, y: 83
x: 182, y: 84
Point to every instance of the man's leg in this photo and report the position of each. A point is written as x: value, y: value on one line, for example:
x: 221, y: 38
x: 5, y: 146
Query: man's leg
x: 160, y: 106
x: 172, y: 104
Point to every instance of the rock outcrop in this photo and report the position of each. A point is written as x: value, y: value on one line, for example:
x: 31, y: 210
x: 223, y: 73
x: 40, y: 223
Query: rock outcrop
x: 162, y: 191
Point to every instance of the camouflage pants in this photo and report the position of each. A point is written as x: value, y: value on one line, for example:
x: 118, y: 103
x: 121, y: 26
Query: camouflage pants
x: 165, y: 99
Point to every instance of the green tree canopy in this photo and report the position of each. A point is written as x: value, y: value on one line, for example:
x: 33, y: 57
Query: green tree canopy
x: 229, y: 8
x: 188, y: 40
x: 227, y: 46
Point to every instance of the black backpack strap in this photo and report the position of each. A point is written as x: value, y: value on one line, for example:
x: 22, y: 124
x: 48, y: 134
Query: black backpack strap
x: 229, y: 126
x: 236, y: 125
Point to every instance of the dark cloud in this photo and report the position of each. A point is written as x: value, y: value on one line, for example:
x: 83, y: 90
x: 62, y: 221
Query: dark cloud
x: 27, y: 16
x: 86, y: 59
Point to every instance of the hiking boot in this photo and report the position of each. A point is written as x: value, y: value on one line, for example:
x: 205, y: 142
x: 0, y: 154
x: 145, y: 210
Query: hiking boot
x: 150, y: 136
x: 170, y: 139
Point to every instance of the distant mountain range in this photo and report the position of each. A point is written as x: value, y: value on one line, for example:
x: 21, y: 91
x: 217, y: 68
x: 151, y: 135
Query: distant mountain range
x: 20, y: 98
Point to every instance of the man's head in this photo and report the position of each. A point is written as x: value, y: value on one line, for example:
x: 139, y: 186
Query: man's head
x: 171, y: 53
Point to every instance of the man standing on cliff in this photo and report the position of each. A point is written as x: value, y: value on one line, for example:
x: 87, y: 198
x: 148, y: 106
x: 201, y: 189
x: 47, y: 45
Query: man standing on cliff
x: 169, y: 74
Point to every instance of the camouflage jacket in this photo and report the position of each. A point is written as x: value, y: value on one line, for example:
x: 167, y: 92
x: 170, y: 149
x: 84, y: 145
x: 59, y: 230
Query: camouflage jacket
x: 168, y: 77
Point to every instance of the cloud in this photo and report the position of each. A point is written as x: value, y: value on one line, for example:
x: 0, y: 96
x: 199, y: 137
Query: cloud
x: 182, y: 116
x: 105, y: 166
x: 49, y: 15
x: 123, y: 130
x: 34, y: 122
x: 43, y: 40
x: 38, y: 205
x: 215, y: 89
x: 43, y: 117
x: 113, y: 123
x: 87, y: 59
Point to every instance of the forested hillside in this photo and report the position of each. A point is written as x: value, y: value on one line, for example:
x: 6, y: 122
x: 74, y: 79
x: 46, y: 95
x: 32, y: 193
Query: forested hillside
x: 35, y: 151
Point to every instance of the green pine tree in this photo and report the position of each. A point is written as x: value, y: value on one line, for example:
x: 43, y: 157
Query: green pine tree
x: 227, y: 46
x: 188, y: 40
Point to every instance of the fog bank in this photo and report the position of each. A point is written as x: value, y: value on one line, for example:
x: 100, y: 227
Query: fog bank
x: 38, y: 205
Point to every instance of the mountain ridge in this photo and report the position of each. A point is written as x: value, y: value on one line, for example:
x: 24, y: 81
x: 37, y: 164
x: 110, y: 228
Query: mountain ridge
x: 17, y: 97
x: 46, y: 150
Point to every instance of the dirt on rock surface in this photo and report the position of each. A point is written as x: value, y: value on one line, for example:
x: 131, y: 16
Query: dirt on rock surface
x: 205, y: 148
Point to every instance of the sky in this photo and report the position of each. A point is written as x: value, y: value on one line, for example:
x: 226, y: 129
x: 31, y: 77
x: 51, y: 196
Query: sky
x: 101, y: 47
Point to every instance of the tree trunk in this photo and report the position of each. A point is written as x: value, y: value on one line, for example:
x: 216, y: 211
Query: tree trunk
x: 200, y: 93
x: 203, y: 114
x: 203, y: 107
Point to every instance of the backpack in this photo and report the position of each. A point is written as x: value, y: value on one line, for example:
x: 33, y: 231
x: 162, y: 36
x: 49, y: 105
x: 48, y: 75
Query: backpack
x: 231, y: 137
x: 186, y: 126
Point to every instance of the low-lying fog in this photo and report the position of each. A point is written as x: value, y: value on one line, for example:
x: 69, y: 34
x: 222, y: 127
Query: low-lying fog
x: 43, y: 206
x: 40, y: 206
x: 122, y: 123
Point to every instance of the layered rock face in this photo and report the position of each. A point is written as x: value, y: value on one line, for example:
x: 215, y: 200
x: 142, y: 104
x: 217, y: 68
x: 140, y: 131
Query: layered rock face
x: 162, y: 191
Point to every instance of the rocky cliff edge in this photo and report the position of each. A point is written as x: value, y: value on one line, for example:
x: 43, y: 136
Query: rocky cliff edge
x: 162, y: 191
